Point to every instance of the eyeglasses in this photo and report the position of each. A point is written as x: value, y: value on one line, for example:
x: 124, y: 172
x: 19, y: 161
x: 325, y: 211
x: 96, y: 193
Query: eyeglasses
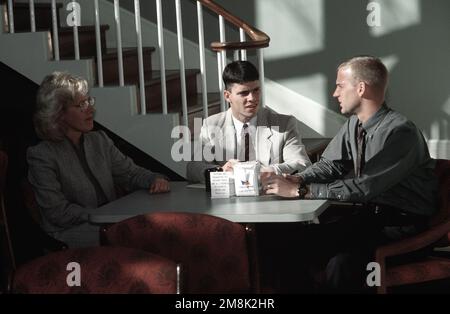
x: 85, y: 104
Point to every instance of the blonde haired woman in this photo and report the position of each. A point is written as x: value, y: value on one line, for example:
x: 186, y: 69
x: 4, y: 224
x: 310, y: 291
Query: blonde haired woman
x: 74, y: 170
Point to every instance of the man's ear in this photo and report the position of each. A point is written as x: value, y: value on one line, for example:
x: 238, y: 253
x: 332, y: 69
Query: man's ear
x: 361, y: 88
x: 226, y: 95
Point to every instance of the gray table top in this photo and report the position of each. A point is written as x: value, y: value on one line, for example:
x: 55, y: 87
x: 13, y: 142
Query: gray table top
x: 183, y: 199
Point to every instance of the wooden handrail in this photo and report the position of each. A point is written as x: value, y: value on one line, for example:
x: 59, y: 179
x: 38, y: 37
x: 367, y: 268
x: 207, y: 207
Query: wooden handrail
x: 259, y: 39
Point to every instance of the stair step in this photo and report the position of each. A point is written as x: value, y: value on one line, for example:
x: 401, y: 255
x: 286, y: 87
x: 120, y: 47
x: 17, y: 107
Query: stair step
x: 130, y: 65
x: 86, y: 38
x: 196, y: 108
x: 43, y: 17
x: 196, y: 111
x: 111, y: 53
x: 173, y: 84
x: 155, y: 76
x: 195, y: 104
x: 42, y: 13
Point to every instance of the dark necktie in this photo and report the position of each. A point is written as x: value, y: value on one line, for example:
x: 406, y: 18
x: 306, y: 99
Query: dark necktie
x: 360, y: 141
x: 246, y: 139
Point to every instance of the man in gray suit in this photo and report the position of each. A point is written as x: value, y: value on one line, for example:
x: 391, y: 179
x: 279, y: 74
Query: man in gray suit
x: 246, y: 132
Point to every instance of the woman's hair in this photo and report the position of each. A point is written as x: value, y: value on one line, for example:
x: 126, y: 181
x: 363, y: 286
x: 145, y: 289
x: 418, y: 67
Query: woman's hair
x: 57, y: 91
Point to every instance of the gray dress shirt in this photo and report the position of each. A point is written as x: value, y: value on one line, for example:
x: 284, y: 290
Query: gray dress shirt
x: 398, y: 170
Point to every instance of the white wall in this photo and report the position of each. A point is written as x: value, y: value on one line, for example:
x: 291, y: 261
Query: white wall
x: 311, y: 37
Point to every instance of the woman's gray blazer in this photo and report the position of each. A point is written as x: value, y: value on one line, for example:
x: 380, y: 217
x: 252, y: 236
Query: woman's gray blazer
x: 63, y: 191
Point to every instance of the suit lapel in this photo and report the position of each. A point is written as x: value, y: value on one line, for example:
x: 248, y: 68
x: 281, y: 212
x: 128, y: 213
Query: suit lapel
x: 228, y: 141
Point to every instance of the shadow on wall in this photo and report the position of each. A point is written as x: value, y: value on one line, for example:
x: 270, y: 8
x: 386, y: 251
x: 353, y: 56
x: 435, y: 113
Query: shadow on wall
x: 419, y: 83
x: 316, y: 35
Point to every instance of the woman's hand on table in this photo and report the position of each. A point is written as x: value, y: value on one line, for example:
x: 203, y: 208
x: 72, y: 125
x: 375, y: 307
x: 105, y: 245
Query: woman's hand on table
x: 160, y: 185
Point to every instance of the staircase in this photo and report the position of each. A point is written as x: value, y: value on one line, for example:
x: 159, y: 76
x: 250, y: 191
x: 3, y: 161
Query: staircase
x: 119, y: 107
x: 130, y: 64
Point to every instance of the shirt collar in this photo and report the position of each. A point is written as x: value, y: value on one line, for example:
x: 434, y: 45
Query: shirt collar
x: 238, y: 124
x: 376, y: 118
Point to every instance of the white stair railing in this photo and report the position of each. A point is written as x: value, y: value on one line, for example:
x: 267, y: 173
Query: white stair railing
x: 180, y: 38
x: 76, y: 14
x: 55, y: 31
x: 32, y: 17
x: 162, y: 60
x: 223, y: 61
x: 119, y: 42
x: 249, y: 38
x: 137, y: 15
x: 242, y: 38
x: 98, y: 44
x: 261, y: 75
x: 10, y: 16
x: 201, y: 44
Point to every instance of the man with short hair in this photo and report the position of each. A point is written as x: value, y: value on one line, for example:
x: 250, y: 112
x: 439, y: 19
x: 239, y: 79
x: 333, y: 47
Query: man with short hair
x: 380, y: 159
x: 246, y: 132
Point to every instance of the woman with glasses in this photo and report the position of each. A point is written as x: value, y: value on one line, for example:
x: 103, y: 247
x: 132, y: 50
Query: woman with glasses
x: 74, y: 170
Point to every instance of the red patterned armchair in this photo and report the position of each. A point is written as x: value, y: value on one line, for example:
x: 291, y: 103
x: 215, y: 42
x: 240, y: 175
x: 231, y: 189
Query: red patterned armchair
x: 218, y: 256
x: 430, y: 268
x: 102, y: 270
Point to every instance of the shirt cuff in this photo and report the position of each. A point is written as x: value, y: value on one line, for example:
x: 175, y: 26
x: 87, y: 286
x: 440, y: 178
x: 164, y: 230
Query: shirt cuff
x: 318, y: 191
x: 306, y: 177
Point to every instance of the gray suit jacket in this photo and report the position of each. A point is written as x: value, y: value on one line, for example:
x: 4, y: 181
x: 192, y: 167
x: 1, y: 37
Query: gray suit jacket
x: 63, y: 191
x: 277, y: 142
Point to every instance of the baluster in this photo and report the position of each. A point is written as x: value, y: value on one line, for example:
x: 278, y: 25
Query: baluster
x: 119, y: 42
x: 222, y: 62
x: 98, y: 44
x: 221, y: 87
x: 201, y: 43
x: 137, y: 13
x: 222, y: 32
x: 162, y: 60
x: 55, y: 31
x: 261, y: 77
x: 32, y: 16
x: 181, y: 59
x: 242, y: 38
x: 76, y: 42
x: 236, y: 56
x: 11, y: 16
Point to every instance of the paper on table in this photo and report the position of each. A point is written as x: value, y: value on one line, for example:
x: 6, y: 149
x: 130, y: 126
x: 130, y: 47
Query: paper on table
x: 222, y: 185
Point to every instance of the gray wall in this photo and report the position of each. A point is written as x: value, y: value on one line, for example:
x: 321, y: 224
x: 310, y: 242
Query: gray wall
x: 310, y: 37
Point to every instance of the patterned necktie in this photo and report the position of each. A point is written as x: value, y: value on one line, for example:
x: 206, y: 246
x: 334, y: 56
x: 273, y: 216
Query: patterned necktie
x: 360, y: 141
x: 246, y: 139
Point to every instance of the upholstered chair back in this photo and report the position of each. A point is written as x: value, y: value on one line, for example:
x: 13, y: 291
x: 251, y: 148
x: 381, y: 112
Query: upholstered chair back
x: 217, y: 255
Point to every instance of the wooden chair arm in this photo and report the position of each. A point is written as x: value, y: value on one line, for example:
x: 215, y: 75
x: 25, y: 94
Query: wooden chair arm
x: 414, y: 243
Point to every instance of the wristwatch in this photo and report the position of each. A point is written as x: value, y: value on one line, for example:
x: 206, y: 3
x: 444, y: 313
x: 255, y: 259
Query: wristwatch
x: 302, y: 190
